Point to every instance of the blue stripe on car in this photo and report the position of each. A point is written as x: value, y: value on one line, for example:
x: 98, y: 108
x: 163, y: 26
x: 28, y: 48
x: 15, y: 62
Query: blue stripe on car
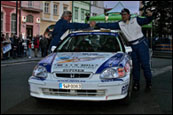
x: 47, y: 61
x: 124, y: 61
x: 112, y: 62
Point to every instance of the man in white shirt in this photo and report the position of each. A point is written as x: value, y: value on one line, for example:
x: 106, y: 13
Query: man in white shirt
x: 131, y: 28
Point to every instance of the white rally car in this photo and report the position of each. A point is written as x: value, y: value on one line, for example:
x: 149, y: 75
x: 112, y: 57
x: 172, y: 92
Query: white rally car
x: 87, y: 65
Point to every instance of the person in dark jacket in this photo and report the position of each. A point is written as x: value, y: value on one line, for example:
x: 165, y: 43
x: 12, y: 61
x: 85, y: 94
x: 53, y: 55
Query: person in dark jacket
x: 15, y: 46
x: 2, y: 39
x: 87, y: 17
x: 43, y: 46
x: 62, y: 26
x: 131, y: 28
x: 20, y: 47
x: 36, y: 45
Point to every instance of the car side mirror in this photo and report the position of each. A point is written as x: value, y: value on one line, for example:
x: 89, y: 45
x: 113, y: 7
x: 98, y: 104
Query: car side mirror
x: 128, y: 49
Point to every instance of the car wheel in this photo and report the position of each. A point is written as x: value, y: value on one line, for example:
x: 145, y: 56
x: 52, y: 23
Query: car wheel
x: 127, y: 99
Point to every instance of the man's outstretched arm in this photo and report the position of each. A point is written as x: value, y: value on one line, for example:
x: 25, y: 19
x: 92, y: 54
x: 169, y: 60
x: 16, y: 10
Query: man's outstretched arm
x: 147, y: 20
x: 144, y: 21
x: 108, y: 25
x: 77, y: 26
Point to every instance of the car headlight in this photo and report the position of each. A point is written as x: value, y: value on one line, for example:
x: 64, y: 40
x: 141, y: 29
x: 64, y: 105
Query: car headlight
x: 115, y: 72
x: 40, y: 71
x: 108, y: 73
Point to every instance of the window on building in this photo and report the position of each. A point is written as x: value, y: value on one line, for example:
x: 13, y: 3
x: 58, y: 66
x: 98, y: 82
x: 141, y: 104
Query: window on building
x: 1, y: 22
x: 13, y: 23
x: 30, y: 3
x: 55, y: 9
x: 29, y: 18
x: 76, y: 13
x: 82, y: 14
x: 46, y: 8
x: 87, y: 11
x: 94, y: 14
x: 65, y: 8
x: 95, y: 3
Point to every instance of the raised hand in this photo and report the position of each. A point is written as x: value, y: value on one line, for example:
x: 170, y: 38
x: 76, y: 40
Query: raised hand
x: 92, y: 24
x: 149, y: 13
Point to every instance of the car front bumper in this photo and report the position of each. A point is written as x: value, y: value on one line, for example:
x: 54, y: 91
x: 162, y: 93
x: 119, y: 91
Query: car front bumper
x: 95, y: 90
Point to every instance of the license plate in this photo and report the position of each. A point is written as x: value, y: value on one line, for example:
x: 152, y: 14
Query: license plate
x: 69, y: 86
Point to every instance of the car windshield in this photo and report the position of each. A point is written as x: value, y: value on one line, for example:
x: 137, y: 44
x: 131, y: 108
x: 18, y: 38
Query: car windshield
x: 90, y: 43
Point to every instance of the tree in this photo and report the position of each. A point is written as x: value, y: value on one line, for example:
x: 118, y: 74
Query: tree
x: 162, y: 11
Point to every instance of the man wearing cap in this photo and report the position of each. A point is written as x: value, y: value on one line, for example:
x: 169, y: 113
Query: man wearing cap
x: 131, y: 28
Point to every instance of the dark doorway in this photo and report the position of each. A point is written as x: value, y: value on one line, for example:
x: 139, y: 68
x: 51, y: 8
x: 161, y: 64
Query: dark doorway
x: 29, y: 31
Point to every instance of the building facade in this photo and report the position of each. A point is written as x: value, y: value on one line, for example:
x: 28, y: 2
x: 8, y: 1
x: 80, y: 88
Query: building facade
x: 80, y: 9
x: 30, y: 18
x: 52, y: 12
x: 97, y: 8
x: 8, y: 17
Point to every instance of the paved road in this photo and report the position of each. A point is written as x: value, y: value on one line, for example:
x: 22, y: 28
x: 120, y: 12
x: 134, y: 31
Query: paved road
x: 14, y: 86
x: 15, y: 94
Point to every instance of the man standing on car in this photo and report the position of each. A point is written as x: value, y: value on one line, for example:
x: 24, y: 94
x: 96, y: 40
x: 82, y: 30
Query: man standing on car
x: 131, y: 28
x: 62, y: 26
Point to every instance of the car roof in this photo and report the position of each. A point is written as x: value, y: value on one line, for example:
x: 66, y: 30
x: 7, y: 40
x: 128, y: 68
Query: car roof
x: 97, y: 30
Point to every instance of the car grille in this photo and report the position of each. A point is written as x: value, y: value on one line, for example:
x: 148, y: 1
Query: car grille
x: 69, y: 92
x: 72, y: 75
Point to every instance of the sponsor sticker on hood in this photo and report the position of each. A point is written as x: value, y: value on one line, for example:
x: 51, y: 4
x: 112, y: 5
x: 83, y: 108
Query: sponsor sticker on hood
x: 79, y: 62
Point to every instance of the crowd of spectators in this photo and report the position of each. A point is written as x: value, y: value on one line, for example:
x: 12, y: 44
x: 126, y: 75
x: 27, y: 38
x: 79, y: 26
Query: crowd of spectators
x: 24, y: 47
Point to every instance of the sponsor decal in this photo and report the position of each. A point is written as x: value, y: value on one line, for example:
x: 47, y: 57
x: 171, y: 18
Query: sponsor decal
x: 73, y: 70
x: 76, y: 59
x: 124, y: 89
x: 76, y: 66
x: 111, y: 80
x: 64, y: 58
x: 71, y: 80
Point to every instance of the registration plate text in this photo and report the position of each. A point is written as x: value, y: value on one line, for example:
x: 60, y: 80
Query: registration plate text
x: 69, y: 86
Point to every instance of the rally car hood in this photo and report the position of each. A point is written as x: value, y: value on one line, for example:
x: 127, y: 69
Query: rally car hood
x: 72, y: 62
